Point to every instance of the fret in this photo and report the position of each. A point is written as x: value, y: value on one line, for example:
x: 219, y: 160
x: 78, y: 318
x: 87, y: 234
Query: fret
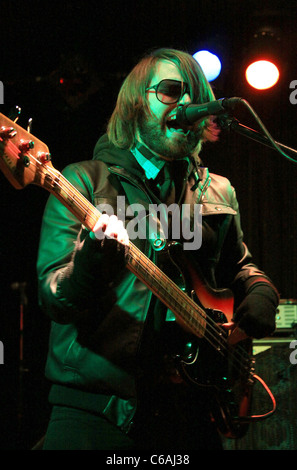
x: 164, y: 288
x: 76, y: 202
x: 23, y: 164
x: 161, y: 285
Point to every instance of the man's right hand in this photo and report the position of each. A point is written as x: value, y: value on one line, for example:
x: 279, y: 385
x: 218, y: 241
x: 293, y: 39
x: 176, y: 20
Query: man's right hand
x: 112, y: 227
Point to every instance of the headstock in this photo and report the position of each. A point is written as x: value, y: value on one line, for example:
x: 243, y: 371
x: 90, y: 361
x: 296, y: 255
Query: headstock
x: 24, y: 159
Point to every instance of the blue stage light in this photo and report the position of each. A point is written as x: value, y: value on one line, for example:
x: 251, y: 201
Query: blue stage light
x: 210, y: 64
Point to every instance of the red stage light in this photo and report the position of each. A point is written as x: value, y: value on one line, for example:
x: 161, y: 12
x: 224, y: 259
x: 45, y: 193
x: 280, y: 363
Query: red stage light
x: 262, y: 74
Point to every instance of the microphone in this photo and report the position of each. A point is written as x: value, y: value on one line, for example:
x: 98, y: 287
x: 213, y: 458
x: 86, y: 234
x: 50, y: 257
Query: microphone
x: 190, y: 113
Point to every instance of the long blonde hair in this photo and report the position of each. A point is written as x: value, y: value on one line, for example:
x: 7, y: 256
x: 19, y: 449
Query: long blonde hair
x: 132, y: 98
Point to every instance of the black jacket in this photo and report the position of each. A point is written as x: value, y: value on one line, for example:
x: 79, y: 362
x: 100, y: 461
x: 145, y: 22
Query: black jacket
x: 98, y: 308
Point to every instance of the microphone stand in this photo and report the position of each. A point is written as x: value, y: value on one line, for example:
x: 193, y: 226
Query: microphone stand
x: 230, y: 123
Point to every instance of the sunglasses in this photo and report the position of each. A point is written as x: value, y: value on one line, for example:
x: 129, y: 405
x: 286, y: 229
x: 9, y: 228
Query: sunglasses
x: 169, y: 91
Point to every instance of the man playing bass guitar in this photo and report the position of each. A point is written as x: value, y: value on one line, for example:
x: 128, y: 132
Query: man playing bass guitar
x: 115, y: 344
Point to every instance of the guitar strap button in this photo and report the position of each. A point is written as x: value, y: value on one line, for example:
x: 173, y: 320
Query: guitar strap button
x: 159, y: 244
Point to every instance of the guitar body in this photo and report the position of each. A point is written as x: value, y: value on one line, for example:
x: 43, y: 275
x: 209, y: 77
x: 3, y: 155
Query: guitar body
x: 223, y: 372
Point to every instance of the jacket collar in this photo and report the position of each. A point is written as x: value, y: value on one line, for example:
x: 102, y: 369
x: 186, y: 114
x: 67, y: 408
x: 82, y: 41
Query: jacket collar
x: 148, y: 161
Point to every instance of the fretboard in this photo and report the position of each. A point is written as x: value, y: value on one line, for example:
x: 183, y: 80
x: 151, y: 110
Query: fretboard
x: 184, y: 308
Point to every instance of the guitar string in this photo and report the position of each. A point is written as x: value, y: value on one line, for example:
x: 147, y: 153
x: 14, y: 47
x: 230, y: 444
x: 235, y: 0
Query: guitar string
x: 55, y: 173
x: 216, y: 335
x: 238, y: 364
x: 239, y: 354
x: 213, y: 337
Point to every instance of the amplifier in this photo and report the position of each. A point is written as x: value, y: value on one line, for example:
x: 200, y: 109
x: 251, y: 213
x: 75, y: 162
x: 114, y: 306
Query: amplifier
x: 273, y: 365
x: 286, y: 314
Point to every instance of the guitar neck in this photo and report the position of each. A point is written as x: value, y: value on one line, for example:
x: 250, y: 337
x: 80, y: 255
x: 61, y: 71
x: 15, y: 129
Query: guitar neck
x: 25, y: 160
x: 185, y: 309
x: 54, y: 182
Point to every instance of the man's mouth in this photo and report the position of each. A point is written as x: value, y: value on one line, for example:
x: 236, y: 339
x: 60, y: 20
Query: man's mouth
x: 173, y: 126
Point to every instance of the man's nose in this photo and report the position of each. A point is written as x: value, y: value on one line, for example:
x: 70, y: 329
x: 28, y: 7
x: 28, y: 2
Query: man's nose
x: 185, y: 99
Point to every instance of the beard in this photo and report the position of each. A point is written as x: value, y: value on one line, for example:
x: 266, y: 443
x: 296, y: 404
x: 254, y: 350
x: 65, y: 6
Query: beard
x: 154, y: 135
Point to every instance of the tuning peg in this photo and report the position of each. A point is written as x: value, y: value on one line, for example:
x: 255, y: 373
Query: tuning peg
x: 26, y: 145
x: 14, y: 113
x: 7, y: 133
x: 44, y: 157
x: 29, y: 126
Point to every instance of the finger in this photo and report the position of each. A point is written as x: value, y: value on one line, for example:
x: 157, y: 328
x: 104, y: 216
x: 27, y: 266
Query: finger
x: 112, y: 227
x: 229, y: 325
x: 115, y: 229
x: 100, y: 227
x: 124, y: 238
x: 237, y: 335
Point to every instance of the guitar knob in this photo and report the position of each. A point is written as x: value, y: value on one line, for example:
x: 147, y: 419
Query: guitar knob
x: 29, y: 125
x: 44, y: 157
x: 7, y: 133
x: 159, y: 244
x: 26, y: 145
x: 26, y: 160
x: 14, y: 113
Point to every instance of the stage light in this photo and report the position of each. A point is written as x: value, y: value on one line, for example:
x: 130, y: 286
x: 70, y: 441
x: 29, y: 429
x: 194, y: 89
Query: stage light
x: 262, y: 70
x: 210, y: 64
x: 262, y: 74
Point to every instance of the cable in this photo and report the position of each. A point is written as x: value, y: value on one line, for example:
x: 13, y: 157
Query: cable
x: 265, y: 130
x: 265, y: 415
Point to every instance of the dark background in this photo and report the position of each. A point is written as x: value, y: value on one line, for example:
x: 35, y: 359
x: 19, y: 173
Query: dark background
x: 92, y: 45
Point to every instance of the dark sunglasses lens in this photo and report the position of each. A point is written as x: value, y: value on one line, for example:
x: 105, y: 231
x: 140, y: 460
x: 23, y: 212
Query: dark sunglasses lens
x: 169, y: 91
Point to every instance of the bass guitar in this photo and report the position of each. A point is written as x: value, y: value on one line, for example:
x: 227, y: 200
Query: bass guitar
x: 197, y: 308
